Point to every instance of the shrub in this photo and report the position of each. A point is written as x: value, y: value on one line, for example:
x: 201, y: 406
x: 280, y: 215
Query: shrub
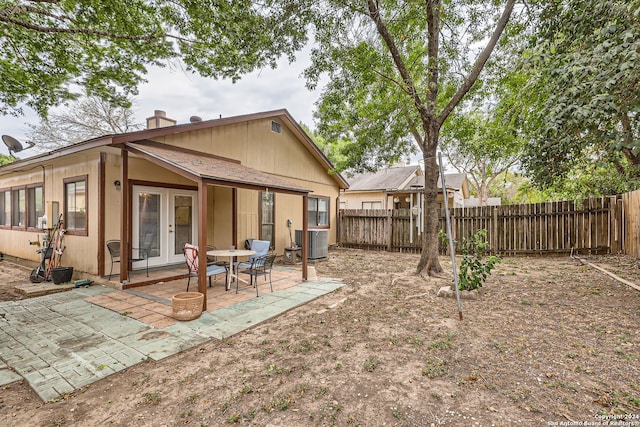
x: 476, y: 265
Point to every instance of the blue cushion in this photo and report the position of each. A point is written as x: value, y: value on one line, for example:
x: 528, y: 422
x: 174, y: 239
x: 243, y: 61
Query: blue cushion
x: 261, y: 247
x: 215, y: 269
x: 242, y: 264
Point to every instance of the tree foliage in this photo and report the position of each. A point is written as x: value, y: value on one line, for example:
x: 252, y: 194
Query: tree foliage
x: 580, y: 104
x: 397, y: 70
x: 86, y: 118
x: 51, y: 48
x: 5, y: 160
x: 334, y: 150
x: 481, y: 145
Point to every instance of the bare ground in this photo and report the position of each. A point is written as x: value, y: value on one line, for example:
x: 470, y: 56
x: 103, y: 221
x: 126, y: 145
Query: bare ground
x: 551, y: 340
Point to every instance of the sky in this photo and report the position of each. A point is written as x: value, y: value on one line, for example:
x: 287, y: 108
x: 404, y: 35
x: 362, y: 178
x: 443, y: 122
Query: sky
x: 183, y: 95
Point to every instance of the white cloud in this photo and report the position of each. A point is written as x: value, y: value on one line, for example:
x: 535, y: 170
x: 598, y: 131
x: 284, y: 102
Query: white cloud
x: 182, y: 95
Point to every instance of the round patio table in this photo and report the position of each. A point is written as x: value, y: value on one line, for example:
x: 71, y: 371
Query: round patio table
x: 231, y: 254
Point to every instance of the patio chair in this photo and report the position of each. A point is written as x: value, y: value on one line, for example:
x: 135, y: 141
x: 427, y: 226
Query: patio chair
x: 114, y: 251
x: 191, y: 259
x: 260, y: 266
x: 261, y: 247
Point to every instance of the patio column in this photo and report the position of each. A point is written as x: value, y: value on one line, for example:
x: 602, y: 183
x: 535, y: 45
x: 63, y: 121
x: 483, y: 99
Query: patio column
x: 305, y: 228
x: 202, y: 240
x: 125, y: 214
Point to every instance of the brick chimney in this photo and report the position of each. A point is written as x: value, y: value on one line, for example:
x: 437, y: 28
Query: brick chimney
x: 159, y: 120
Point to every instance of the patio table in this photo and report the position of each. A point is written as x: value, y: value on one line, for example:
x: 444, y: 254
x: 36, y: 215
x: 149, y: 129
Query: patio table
x: 231, y: 254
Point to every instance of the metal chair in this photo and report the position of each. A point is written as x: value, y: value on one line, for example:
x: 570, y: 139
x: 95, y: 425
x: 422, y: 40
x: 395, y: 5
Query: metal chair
x: 191, y: 259
x: 261, y: 247
x: 260, y: 266
x: 114, y: 251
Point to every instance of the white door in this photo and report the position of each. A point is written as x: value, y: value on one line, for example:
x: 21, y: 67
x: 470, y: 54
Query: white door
x: 164, y: 219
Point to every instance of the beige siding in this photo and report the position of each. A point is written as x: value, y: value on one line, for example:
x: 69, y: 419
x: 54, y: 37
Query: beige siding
x: 355, y: 200
x: 252, y: 143
x: 80, y: 251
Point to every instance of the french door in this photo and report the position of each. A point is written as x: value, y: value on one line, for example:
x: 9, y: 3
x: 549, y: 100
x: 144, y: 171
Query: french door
x: 164, y: 219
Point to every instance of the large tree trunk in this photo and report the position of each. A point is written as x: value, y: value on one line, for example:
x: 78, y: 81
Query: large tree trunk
x: 429, y: 259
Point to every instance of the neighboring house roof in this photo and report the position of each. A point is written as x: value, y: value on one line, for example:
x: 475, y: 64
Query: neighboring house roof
x: 118, y: 139
x: 384, y: 179
x: 455, y: 181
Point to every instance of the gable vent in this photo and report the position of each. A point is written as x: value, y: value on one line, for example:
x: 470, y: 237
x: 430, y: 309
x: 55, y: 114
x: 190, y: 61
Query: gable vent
x: 276, y: 127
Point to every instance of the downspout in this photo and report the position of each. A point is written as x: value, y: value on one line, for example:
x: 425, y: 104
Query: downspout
x: 338, y: 218
x: 101, y: 211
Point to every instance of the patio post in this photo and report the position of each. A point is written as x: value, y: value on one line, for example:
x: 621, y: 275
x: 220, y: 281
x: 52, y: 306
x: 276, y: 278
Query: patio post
x: 202, y: 240
x: 125, y: 214
x: 305, y: 228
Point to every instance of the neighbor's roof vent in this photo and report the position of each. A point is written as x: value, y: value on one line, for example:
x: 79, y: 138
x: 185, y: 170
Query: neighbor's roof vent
x: 195, y: 119
x: 159, y: 120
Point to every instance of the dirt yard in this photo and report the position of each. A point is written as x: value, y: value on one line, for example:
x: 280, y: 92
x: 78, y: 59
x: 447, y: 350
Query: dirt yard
x: 550, y: 341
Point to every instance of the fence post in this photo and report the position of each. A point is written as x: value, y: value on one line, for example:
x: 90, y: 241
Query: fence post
x: 494, y: 231
x: 389, y: 230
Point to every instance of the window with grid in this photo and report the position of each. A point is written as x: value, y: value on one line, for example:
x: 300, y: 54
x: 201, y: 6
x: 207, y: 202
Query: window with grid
x: 318, y: 212
x: 75, y: 205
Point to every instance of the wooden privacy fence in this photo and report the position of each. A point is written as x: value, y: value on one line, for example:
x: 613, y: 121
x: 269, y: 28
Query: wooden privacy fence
x: 630, y: 224
x: 596, y: 226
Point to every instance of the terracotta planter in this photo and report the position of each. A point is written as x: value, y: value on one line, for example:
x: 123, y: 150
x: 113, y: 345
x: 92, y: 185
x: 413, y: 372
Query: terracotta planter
x: 187, y: 305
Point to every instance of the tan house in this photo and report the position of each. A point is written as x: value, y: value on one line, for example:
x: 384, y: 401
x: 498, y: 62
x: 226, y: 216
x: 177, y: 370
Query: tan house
x: 399, y: 188
x: 215, y: 182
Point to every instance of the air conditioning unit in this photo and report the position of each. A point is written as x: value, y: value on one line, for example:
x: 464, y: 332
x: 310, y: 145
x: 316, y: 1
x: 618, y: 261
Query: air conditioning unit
x: 317, y: 243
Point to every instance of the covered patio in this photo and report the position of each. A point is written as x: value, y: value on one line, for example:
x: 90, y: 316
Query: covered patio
x: 204, y: 170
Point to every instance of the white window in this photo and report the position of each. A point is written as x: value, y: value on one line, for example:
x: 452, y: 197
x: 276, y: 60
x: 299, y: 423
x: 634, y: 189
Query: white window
x: 371, y: 205
x: 318, y: 212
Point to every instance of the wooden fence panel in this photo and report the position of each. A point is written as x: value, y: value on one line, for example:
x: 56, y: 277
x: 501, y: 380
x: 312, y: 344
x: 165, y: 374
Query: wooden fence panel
x: 631, y: 223
x: 597, y: 225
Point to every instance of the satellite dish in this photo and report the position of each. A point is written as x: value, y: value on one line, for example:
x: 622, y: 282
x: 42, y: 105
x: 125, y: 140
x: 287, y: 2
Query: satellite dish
x: 12, y: 144
x: 195, y: 119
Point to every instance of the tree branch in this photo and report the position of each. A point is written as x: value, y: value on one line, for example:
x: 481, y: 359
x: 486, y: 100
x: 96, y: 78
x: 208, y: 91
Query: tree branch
x: 627, y: 133
x: 433, y: 42
x: 479, y: 64
x: 374, y: 14
x: 42, y: 29
x: 400, y: 85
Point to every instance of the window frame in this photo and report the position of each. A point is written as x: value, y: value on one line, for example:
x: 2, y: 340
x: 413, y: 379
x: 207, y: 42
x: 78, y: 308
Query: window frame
x: 7, y: 209
x: 371, y: 204
x: 317, y: 224
x: 29, y: 207
x: 74, y: 180
x: 15, y: 203
x: 261, y: 217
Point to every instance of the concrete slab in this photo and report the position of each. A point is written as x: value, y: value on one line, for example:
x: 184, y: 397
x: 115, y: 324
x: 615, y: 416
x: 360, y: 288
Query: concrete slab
x: 7, y: 377
x: 60, y: 342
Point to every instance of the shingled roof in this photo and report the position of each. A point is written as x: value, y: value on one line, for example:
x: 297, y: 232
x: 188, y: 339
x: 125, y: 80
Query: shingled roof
x: 453, y: 180
x: 385, y: 179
